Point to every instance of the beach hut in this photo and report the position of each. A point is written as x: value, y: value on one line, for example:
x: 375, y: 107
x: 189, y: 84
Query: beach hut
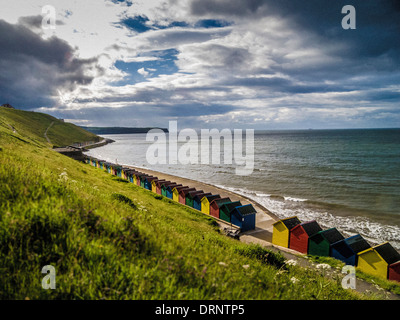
x: 376, y: 260
x: 321, y: 242
x: 300, y: 233
x: 135, y: 177
x: 159, y: 184
x: 129, y: 175
x: 205, y: 202
x: 244, y: 217
x: 226, y: 209
x: 394, y: 271
x: 106, y: 167
x: 197, y: 200
x: 164, y: 186
x: 114, y: 169
x: 100, y: 164
x: 182, y: 194
x: 123, y: 172
x: 147, y: 182
x: 139, y: 178
x: 281, y: 231
x: 175, y: 192
x: 169, y: 193
x: 143, y: 180
x: 155, y: 183
x: 93, y: 161
x: 190, y: 197
x: 346, y: 250
x: 216, y: 204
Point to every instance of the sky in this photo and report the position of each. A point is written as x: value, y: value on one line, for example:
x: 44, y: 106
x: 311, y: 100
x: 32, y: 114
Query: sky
x: 247, y: 64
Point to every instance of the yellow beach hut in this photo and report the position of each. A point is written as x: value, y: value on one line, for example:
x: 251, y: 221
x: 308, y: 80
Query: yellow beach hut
x: 154, y: 184
x: 376, y: 260
x: 175, y: 192
x: 205, y: 202
x: 281, y: 231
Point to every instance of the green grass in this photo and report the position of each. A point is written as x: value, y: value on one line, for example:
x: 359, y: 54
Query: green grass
x: 109, y: 239
x: 31, y: 127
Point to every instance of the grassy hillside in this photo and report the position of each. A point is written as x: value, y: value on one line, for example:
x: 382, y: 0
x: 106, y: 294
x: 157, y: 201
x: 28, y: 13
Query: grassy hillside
x: 33, y: 125
x: 110, y: 239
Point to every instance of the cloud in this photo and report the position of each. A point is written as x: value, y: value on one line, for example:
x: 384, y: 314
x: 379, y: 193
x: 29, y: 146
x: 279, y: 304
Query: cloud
x: 143, y: 72
x: 260, y: 63
x: 33, y: 69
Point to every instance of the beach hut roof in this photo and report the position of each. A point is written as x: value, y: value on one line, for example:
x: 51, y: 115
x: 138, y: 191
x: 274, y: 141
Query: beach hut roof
x: 200, y: 196
x: 180, y: 187
x: 290, y: 222
x: 150, y: 178
x: 167, y: 183
x: 246, y: 209
x: 310, y: 227
x: 231, y: 205
x: 331, y: 235
x: 141, y: 174
x: 159, y: 180
x: 211, y: 197
x: 357, y: 243
x: 387, y: 252
x: 186, y: 190
x: 195, y: 192
x: 221, y: 201
x: 172, y: 186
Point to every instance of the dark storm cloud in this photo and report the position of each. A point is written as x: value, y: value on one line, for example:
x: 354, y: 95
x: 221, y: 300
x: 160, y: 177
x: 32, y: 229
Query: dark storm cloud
x: 378, y: 23
x: 32, y: 69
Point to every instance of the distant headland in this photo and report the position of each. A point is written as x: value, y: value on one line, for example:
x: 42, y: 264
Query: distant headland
x: 120, y: 130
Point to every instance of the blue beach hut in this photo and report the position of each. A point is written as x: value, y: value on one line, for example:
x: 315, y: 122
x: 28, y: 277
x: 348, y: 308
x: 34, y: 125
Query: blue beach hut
x: 244, y: 217
x: 346, y: 250
x: 169, y: 189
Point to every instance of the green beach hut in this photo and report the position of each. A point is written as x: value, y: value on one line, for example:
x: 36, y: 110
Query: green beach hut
x: 226, y: 209
x: 190, y: 197
x: 320, y: 243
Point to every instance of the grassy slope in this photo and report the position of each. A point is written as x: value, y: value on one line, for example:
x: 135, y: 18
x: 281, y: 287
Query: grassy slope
x: 33, y: 125
x: 111, y: 239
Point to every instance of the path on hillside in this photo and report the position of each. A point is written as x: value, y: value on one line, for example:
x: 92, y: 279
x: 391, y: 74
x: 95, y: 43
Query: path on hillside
x: 45, y: 134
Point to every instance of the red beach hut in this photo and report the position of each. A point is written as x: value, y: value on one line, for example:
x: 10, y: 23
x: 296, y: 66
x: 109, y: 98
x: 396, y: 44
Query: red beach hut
x: 300, y: 233
x: 394, y: 271
x: 183, y: 192
x: 216, y: 204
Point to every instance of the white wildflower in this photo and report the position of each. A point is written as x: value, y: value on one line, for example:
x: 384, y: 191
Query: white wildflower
x: 323, y: 266
x: 63, y: 176
x: 294, y: 280
x: 291, y: 262
x: 223, y: 264
x: 246, y: 266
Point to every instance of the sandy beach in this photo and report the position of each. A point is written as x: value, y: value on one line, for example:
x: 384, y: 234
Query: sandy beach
x: 264, y: 217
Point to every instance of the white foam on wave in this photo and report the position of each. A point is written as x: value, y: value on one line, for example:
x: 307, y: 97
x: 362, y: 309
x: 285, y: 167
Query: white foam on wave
x: 372, y: 231
x: 295, y: 199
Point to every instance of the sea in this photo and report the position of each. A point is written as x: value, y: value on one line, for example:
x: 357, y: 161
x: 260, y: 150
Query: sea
x: 348, y: 179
